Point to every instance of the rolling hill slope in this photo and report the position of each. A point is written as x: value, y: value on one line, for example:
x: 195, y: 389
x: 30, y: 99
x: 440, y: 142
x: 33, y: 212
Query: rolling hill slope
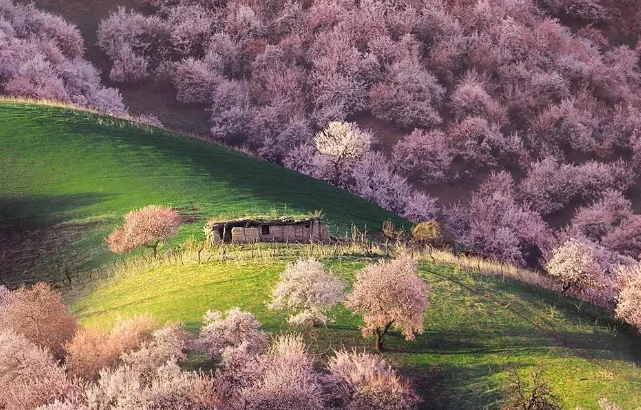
x: 67, y: 176
x: 476, y: 328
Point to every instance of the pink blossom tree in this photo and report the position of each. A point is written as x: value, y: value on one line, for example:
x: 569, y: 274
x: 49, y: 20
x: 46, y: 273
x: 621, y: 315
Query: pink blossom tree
x: 549, y: 186
x: 389, y: 294
x: 424, y: 156
x: 284, y: 379
x: 29, y: 375
x: 129, y: 38
x: 93, y: 349
x: 306, y: 289
x: 375, y: 181
x: 167, y: 387
x: 146, y: 227
x: 471, y: 99
x: 194, y: 81
x: 494, y: 224
x: 610, y: 222
x: 190, y: 28
x: 409, y: 97
x: 231, y: 113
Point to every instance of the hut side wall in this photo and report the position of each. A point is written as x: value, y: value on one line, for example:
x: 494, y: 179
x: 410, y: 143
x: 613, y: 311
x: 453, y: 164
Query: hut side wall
x: 297, y: 233
x: 239, y: 234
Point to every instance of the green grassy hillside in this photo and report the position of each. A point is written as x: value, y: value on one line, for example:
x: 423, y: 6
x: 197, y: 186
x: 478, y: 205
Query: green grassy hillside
x: 476, y: 327
x: 66, y: 178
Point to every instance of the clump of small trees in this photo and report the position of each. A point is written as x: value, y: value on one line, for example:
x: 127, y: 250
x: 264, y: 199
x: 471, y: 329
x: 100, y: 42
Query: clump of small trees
x: 342, y: 154
x: 389, y: 295
x: 41, y: 57
x: 146, y: 227
x: 135, y: 364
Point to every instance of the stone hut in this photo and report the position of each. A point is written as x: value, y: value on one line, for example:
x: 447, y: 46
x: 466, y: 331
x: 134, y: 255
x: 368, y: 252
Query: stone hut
x: 285, y: 229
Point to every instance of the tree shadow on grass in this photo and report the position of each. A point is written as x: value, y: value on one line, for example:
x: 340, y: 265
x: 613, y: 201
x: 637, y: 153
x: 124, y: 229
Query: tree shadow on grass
x: 450, y: 386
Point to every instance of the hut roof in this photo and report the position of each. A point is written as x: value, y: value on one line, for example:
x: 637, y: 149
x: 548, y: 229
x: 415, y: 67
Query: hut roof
x: 263, y: 220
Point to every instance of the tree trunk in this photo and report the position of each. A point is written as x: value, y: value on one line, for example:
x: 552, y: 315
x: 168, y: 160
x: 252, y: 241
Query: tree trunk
x: 154, y: 247
x: 566, y: 287
x: 380, y: 336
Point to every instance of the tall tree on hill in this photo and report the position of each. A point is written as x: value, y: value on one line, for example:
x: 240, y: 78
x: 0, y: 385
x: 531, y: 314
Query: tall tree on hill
x: 390, y: 294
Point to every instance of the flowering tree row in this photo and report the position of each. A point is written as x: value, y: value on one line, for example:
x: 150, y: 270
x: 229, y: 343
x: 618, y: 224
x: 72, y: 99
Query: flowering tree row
x: 48, y: 362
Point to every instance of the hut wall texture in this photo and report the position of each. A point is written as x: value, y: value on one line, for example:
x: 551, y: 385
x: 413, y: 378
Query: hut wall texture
x: 300, y: 232
x: 239, y: 234
x: 297, y: 233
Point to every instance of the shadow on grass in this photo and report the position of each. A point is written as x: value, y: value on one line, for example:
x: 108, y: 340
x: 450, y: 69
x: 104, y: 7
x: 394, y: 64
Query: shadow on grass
x: 35, y: 210
x: 38, y: 243
x: 452, y: 386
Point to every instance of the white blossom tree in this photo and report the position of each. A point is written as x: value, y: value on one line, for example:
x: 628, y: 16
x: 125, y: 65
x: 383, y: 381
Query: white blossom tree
x: 574, y: 265
x: 307, y: 290
x: 344, y: 143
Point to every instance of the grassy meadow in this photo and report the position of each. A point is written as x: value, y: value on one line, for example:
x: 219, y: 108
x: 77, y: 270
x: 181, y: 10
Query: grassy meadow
x: 67, y: 177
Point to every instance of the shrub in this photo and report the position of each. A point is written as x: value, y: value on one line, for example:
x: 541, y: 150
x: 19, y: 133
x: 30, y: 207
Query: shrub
x: 236, y: 327
x: 39, y: 315
x: 29, y: 375
x: 286, y: 379
x: 629, y: 306
x: 389, y: 294
x: 146, y: 227
x: 93, y: 349
x: 308, y: 291
x: 428, y: 232
x: 535, y: 395
x: 573, y: 265
x: 366, y: 381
